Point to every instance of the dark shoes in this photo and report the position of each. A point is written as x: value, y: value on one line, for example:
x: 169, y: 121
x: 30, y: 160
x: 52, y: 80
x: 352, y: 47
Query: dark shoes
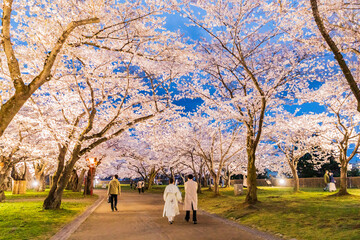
x: 187, y: 220
x: 115, y: 208
x: 171, y: 222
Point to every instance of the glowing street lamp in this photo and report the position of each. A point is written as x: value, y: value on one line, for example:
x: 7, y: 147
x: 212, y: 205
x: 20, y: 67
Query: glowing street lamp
x: 282, y: 181
x: 35, y: 184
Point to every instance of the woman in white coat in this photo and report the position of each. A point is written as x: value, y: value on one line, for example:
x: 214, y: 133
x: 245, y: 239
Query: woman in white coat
x: 172, y: 196
x: 191, y: 198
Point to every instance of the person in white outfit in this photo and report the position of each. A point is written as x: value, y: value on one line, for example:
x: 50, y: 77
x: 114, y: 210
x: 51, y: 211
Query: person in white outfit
x: 332, y: 186
x: 172, y: 196
x: 191, y: 198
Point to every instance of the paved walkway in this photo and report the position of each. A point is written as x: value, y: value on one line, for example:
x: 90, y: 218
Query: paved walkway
x: 140, y: 217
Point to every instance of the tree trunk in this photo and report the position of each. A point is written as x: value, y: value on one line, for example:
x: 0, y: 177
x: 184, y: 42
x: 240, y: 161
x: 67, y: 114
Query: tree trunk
x: 216, y: 184
x: 80, y: 181
x: 60, y: 179
x: 53, y: 200
x: 251, y: 196
x: 343, y: 179
x: 198, y: 180
x: 5, y: 168
x: 39, y: 169
x: 296, y: 178
x: 89, y: 181
x: 227, y: 183
x: 152, y: 176
x: 206, y: 179
x: 182, y: 177
x: 73, y: 181
x: 41, y: 182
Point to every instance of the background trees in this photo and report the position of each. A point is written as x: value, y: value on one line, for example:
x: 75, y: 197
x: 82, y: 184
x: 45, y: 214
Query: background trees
x: 88, y: 76
x: 295, y: 136
x: 245, y: 65
x: 340, y: 129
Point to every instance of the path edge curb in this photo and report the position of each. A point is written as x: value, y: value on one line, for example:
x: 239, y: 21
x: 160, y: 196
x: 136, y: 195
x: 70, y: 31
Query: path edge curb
x: 66, y: 231
x: 263, y: 235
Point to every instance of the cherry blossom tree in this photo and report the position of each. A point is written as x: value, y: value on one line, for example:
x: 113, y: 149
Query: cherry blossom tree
x: 294, y: 136
x: 89, y: 108
x: 341, y: 19
x: 39, y: 39
x: 327, y: 28
x: 216, y: 147
x: 245, y: 64
x: 24, y: 140
x: 340, y: 128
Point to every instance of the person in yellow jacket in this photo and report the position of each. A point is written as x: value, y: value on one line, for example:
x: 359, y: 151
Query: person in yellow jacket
x: 114, y: 189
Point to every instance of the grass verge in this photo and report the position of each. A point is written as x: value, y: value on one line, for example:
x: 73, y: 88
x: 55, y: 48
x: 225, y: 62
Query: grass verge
x: 310, y: 214
x: 27, y: 220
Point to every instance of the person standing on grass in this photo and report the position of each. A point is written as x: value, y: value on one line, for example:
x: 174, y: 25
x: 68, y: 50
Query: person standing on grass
x: 191, y: 198
x: 114, y: 189
x: 172, y: 196
x: 327, y: 180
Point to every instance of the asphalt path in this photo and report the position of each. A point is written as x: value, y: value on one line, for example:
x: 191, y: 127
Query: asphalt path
x: 139, y: 216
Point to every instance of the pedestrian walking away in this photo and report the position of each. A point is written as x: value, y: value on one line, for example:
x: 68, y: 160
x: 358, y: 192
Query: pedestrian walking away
x: 172, y: 196
x: 191, y: 198
x: 114, y: 189
x: 140, y: 186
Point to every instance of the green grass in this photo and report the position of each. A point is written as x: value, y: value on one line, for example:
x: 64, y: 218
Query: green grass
x: 31, y: 194
x: 310, y: 214
x: 27, y: 220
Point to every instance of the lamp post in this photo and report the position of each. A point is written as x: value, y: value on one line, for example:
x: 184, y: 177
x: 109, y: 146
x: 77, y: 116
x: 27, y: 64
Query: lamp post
x: 92, y: 163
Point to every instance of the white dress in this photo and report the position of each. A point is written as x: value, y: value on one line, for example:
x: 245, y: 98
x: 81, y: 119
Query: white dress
x: 172, y: 195
x: 332, y: 187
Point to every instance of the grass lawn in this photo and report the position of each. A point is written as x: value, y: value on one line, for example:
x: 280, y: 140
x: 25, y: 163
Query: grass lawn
x: 27, y: 220
x: 310, y: 214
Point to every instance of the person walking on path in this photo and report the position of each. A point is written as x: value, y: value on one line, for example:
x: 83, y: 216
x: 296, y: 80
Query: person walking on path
x: 172, y: 196
x: 327, y: 180
x: 332, y: 186
x: 114, y: 189
x: 191, y: 198
x: 140, y: 186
